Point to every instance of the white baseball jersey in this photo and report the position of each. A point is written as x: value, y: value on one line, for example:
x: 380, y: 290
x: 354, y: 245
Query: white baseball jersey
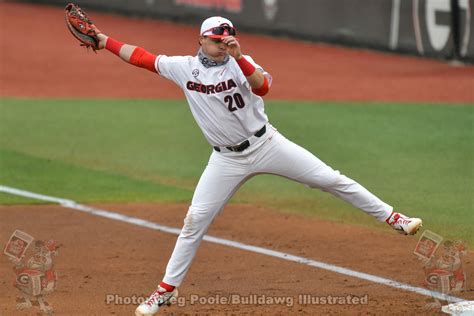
x: 220, y: 97
x: 228, y: 113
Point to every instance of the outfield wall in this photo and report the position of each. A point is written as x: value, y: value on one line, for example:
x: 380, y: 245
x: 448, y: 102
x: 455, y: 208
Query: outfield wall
x: 433, y: 28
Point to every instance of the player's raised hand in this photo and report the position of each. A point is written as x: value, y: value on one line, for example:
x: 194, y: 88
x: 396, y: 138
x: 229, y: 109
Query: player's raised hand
x: 81, y: 27
x: 233, y: 46
x: 102, y: 41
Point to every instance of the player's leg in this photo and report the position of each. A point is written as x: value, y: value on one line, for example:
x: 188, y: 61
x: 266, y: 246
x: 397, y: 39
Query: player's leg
x: 219, y: 181
x: 287, y: 159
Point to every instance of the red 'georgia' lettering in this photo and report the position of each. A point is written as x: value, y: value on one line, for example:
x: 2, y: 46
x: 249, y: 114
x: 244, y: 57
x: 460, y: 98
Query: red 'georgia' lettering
x: 211, y: 89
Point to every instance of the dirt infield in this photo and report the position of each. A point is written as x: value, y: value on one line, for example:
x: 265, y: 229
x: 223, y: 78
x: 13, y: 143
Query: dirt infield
x: 52, y: 64
x: 101, y: 257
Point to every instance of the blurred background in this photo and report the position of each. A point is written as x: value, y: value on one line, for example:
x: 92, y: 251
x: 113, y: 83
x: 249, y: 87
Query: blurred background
x: 435, y: 28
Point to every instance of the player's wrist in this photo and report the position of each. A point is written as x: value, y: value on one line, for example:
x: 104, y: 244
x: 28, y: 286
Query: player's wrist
x: 102, y: 40
x: 247, y: 68
x: 113, y: 45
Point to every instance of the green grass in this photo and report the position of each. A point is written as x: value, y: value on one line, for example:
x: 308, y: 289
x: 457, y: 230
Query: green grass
x: 63, y: 180
x: 416, y: 157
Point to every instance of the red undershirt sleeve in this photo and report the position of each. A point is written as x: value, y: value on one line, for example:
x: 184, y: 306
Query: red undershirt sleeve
x: 263, y: 90
x: 140, y: 57
x: 144, y: 59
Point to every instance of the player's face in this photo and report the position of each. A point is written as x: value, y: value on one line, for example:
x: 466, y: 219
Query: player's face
x: 213, y: 47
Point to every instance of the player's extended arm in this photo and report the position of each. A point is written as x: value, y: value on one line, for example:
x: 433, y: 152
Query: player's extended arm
x: 257, y: 80
x: 131, y: 54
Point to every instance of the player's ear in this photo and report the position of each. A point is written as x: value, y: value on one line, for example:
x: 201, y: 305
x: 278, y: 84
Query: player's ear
x: 201, y: 38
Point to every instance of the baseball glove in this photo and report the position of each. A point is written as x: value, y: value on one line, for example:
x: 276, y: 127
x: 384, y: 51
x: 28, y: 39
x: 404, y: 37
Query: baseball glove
x: 81, y: 27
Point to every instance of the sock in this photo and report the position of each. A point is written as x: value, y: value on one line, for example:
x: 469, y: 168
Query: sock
x: 167, y: 287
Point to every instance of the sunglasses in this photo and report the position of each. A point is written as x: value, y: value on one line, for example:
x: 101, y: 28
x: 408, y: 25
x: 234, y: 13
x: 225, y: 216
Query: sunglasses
x: 224, y: 29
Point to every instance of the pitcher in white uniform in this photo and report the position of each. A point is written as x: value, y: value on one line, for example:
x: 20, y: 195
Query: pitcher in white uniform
x: 224, y: 89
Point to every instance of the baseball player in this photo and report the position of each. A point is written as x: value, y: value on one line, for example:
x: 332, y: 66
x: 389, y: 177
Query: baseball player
x: 224, y: 90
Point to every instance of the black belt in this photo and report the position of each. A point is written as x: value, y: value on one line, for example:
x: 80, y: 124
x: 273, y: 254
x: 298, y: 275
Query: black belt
x: 244, y: 145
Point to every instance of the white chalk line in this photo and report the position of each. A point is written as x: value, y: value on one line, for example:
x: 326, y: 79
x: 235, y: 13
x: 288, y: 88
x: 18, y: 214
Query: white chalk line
x: 260, y: 250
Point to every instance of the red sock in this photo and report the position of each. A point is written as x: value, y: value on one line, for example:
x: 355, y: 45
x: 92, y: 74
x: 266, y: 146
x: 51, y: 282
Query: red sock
x: 388, y: 219
x: 167, y: 287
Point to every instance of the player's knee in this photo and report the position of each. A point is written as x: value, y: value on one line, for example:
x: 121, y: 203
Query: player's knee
x: 195, y: 222
x: 189, y: 228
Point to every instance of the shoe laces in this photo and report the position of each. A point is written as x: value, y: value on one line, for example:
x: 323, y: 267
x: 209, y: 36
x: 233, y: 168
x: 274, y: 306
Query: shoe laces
x: 402, y: 220
x: 155, y: 297
x: 399, y: 219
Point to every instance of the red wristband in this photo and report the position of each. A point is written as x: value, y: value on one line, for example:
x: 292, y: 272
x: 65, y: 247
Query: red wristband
x: 113, y: 45
x: 247, y: 68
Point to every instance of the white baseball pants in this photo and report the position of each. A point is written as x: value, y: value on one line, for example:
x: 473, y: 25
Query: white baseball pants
x: 227, y: 171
